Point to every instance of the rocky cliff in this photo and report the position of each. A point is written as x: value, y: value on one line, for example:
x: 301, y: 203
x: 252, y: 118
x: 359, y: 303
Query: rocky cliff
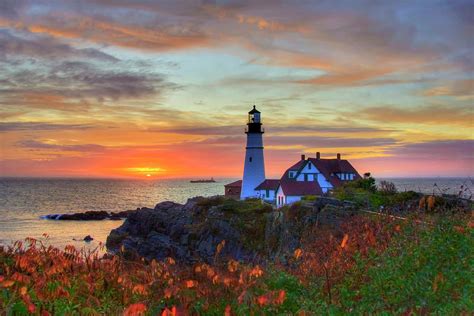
x: 244, y: 230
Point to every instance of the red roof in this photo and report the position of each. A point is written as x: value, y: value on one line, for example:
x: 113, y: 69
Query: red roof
x: 328, y: 167
x: 268, y: 184
x: 237, y: 183
x: 293, y: 187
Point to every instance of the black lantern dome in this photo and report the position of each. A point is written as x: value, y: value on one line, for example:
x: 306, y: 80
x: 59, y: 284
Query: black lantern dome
x: 254, y: 122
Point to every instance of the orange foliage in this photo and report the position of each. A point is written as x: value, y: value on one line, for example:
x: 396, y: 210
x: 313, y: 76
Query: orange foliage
x: 135, y: 309
x: 139, y: 283
x: 297, y: 253
x: 344, y: 240
x: 431, y: 202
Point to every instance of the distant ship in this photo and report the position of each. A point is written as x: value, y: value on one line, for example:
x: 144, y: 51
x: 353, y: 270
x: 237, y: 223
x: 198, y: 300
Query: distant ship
x: 211, y: 180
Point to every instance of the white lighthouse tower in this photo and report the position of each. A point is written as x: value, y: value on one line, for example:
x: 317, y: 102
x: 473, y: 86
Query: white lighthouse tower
x: 254, y: 167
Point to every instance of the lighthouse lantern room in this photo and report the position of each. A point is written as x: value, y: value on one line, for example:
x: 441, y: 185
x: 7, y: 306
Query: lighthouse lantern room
x: 254, y: 166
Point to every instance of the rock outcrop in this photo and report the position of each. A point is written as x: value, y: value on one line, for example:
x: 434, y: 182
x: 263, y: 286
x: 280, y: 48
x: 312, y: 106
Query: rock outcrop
x: 89, y: 216
x: 248, y: 231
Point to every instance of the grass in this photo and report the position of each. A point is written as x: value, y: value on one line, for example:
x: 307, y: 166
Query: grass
x: 379, y: 266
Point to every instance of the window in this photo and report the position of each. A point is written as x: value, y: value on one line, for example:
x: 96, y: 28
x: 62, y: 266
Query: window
x: 250, y: 159
x: 309, y: 166
x: 305, y: 177
x: 267, y: 193
x: 291, y: 174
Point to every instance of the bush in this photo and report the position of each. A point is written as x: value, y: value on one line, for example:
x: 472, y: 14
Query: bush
x: 309, y: 198
x: 387, y: 187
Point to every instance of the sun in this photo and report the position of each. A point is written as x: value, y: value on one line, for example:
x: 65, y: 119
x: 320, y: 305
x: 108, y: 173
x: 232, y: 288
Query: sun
x: 147, y: 172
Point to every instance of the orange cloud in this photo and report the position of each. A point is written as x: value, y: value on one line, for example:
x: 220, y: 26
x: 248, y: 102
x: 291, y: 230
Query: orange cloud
x: 108, y: 32
x: 461, y: 89
x: 434, y: 114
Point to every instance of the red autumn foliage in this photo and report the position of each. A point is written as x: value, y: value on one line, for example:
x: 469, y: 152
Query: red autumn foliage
x: 41, y: 274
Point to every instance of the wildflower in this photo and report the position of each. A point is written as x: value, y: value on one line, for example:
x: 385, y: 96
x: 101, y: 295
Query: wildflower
x: 422, y: 203
x: 227, y: 281
x: 344, y: 240
x: 256, y: 272
x: 172, y: 312
x: 220, y: 246
x: 232, y: 265
x: 135, y: 309
x: 431, y: 202
x: 227, y: 311
x: 439, y: 278
x: 168, y: 293
x: 190, y: 283
x: 298, y: 252
x: 7, y: 283
x: 263, y: 300
x: 281, y: 297
x: 23, y: 290
x: 139, y: 289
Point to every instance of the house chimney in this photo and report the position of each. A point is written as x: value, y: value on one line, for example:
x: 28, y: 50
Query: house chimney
x: 318, y: 155
x: 303, y: 157
x: 338, y: 156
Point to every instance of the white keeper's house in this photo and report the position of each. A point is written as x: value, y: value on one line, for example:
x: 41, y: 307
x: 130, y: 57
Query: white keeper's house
x: 309, y: 176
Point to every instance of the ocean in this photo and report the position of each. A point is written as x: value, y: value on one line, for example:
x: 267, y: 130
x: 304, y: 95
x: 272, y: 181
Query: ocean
x: 24, y: 200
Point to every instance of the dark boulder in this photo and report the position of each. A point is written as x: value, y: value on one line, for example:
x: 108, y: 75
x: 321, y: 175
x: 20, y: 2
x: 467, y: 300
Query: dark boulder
x: 86, y: 216
x: 90, y: 216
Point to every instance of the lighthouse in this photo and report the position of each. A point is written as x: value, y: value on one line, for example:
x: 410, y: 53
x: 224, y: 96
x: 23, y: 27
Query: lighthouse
x: 254, y: 166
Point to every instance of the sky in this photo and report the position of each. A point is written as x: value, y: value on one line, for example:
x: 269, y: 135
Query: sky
x: 161, y: 89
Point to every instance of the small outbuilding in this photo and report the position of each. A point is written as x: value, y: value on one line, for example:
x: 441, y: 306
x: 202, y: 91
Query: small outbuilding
x: 233, y: 189
x: 267, y: 189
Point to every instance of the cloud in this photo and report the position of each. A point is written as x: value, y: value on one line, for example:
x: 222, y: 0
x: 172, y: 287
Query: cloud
x: 432, y: 114
x: 448, y: 150
x: 355, y: 44
x: 447, y: 158
x: 11, y: 8
x: 462, y: 89
x: 78, y: 86
x: 157, y: 35
x: 45, y: 47
x: 327, y: 142
x: 34, y: 144
x: 312, y: 63
x: 40, y: 126
x: 280, y: 129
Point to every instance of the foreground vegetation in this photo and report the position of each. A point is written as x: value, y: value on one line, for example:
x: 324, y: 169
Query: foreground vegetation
x: 380, y: 264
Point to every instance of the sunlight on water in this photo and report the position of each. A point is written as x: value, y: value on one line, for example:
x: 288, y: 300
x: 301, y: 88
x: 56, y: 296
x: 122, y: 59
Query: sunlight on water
x: 25, y: 200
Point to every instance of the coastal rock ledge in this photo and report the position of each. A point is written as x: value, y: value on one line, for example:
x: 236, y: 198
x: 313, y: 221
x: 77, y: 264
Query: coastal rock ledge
x: 249, y: 231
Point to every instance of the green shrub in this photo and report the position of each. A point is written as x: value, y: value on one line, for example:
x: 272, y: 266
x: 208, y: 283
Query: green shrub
x: 387, y: 187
